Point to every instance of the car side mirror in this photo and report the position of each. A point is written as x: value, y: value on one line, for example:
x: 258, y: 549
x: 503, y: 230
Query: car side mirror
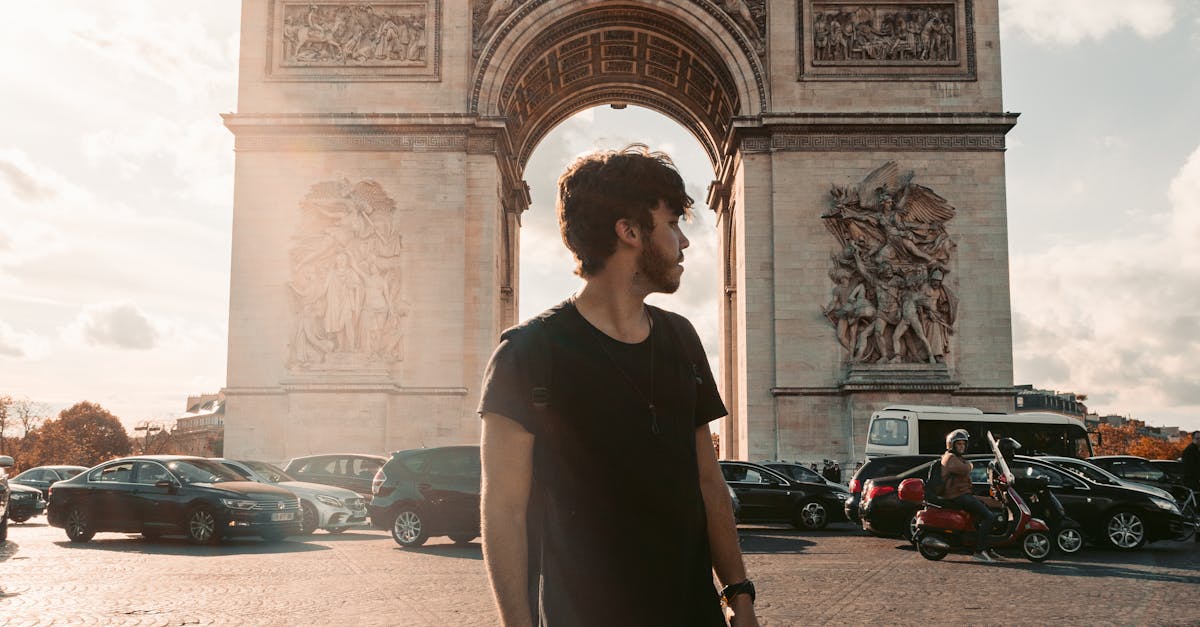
x: 6, y: 461
x: 165, y: 483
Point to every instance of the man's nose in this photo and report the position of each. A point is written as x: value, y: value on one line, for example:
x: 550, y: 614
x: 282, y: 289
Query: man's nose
x: 684, y: 242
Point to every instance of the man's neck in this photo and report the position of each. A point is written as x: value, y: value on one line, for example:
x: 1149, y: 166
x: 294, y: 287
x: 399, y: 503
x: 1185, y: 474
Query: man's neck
x: 613, y: 303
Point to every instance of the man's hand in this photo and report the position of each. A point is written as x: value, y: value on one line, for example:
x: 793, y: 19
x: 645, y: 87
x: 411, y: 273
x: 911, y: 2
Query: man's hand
x: 743, y: 612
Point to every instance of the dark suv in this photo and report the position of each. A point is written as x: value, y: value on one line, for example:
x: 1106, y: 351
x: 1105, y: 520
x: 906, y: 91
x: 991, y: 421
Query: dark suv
x: 5, y: 462
x: 428, y: 492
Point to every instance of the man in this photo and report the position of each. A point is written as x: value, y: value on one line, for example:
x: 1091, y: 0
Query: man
x: 956, y: 488
x: 603, y: 503
x: 1191, y: 468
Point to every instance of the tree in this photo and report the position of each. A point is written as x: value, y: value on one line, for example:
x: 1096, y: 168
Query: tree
x: 1115, y: 440
x: 84, y: 434
x: 5, y: 406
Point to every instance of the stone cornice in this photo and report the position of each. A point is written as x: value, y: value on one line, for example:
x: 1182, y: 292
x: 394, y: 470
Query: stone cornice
x: 872, y: 131
x: 423, y: 132
x: 342, y: 386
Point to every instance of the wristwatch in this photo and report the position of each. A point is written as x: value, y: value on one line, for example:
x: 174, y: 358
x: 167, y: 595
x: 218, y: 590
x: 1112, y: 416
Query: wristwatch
x: 734, y: 589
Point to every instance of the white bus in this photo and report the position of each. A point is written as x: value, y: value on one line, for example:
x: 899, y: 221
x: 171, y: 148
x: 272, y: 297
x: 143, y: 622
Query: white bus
x: 921, y: 429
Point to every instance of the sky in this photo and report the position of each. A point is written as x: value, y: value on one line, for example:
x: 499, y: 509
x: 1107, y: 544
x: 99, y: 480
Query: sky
x: 116, y: 186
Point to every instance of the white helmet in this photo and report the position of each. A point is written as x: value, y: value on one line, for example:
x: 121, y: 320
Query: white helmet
x: 955, y: 436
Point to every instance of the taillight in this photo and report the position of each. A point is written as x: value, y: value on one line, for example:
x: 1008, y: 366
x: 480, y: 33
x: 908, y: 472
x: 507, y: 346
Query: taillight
x: 879, y: 490
x: 855, y: 486
x: 377, y: 482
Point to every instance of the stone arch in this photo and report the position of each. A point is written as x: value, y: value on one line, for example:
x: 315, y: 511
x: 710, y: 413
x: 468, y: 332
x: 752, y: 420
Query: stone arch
x: 687, y: 61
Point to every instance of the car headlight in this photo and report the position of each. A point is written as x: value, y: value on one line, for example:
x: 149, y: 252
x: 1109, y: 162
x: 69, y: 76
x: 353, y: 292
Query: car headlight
x: 237, y: 504
x: 329, y: 500
x: 842, y: 496
x: 1170, y: 506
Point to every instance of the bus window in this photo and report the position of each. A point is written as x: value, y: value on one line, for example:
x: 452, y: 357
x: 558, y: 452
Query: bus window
x: 888, y: 432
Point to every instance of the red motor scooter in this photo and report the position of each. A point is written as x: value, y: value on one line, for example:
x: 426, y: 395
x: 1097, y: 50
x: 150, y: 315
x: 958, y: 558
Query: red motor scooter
x: 940, y: 530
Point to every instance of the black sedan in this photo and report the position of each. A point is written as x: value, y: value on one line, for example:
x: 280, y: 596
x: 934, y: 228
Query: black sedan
x: 24, y: 502
x: 156, y: 495
x: 878, y: 467
x: 42, y: 477
x: 1139, y: 469
x: 768, y: 496
x: 1121, y: 516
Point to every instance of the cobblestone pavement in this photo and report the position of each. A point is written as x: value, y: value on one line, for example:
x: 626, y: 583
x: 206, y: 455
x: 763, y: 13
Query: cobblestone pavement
x: 837, y: 576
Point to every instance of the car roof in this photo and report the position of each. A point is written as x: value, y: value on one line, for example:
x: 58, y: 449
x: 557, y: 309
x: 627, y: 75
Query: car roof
x: 362, y: 455
x: 1117, y: 457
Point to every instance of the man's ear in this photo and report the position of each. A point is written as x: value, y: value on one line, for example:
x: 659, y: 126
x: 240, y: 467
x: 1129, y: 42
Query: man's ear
x: 628, y: 232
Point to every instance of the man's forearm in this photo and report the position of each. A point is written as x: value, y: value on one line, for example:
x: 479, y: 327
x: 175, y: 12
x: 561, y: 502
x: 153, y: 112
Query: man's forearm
x: 505, y: 554
x: 507, y: 476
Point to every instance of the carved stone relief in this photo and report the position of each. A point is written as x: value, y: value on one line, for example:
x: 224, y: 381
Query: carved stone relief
x: 751, y: 17
x: 886, y: 39
x: 370, y: 40
x: 891, y: 301
x: 345, y: 270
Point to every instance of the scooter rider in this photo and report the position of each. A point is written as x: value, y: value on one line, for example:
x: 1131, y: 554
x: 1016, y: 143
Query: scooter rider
x: 956, y: 479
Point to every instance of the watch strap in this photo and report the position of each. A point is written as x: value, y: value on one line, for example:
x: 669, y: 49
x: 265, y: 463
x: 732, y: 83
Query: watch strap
x: 742, y: 587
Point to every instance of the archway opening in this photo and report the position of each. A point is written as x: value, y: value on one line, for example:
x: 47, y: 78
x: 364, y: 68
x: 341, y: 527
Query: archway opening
x: 546, y: 266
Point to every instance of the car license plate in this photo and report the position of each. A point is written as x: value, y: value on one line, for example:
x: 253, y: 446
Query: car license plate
x: 277, y: 516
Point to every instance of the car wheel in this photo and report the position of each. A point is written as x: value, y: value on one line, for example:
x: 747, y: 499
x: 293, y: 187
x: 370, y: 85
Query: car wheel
x: 932, y: 546
x: 463, y: 538
x: 1068, y: 541
x: 79, y: 528
x: 1125, y: 530
x: 811, y: 515
x: 309, y: 518
x: 336, y: 530
x: 1036, y: 546
x: 408, y: 528
x: 19, y: 519
x: 201, y: 525
x: 909, y: 532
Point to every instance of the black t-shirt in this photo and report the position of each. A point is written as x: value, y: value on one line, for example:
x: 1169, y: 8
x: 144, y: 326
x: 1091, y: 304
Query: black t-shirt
x: 616, y: 512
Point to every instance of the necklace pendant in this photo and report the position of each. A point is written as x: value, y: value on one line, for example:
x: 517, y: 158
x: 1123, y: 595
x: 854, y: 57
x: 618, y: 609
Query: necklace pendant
x: 653, y: 420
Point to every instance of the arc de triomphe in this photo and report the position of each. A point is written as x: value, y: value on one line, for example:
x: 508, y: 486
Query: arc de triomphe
x: 858, y: 179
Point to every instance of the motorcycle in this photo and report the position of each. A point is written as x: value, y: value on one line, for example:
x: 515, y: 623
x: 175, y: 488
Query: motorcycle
x: 940, y: 530
x: 1066, y: 532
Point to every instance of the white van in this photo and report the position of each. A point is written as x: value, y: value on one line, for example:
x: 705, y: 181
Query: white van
x: 922, y: 429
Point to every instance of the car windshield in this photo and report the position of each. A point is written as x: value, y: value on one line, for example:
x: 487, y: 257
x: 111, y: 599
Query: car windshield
x: 270, y: 472
x: 202, y: 471
x: 1088, y: 471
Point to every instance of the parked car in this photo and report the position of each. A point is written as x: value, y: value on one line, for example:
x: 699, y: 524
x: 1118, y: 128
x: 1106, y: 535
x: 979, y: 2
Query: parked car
x: 352, y: 471
x: 1088, y: 470
x: 322, y: 506
x: 42, y: 477
x: 799, y: 472
x: 766, y: 495
x: 1121, y: 516
x: 157, y: 495
x: 878, y: 467
x: 5, y: 462
x: 428, y: 492
x: 1173, y: 468
x: 1139, y: 469
x: 24, y: 502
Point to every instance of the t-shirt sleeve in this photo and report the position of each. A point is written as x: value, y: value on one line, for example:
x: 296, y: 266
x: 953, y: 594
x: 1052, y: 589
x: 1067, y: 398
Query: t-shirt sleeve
x: 709, y: 405
x: 507, y: 387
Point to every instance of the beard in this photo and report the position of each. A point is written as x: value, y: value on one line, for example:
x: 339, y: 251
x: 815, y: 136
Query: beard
x: 659, y: 269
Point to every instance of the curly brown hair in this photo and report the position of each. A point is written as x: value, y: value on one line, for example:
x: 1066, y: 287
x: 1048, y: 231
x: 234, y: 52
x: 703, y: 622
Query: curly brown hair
x: 603, y: 187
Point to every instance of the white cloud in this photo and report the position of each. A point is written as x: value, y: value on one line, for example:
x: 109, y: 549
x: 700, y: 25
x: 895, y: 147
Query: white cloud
x: 1068, y: 22
x: 116, y: 325
x: 21, y: 344
x: 1117, y: 318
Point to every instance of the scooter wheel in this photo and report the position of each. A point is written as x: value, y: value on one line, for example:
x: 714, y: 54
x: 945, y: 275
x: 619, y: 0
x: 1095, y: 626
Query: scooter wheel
x: 1035, y: 546
x: 1068, y: 541
x: 930, y: 545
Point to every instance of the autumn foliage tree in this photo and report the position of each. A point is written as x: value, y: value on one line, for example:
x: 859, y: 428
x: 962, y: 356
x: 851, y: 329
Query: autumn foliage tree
x: 1125, y: 440
x: 84, y: 434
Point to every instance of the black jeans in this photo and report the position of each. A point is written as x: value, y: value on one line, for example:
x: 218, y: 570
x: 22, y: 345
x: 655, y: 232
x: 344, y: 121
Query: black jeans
x: 983, y: 517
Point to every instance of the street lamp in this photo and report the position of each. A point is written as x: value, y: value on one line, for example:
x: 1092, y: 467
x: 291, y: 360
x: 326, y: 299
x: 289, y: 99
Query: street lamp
x: 149, y: 429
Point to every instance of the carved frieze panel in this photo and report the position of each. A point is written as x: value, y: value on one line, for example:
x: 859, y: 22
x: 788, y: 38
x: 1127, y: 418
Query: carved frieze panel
x: 886, y: 40
x: 345, y: 288
x: 892, y: 300
x: 395, y: 41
